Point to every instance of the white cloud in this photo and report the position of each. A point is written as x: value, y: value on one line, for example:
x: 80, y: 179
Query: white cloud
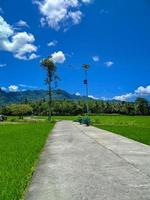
x: 19, y: 87
x: 96, y: 58
x: 52, y: 43
x: 140, y: 91
x: 93, y: 97
x: 86, y: 1
x: 109, y: 63
x: 3, y: 88
x: 75, y: 16
x: 58, y: 57
x: 33, y: 56
x: 5, y: 29
x: 124, y: 97
x: 13, y: 88
x: 3, y: 65
x: 22, y: 23
x: 143, y: 90
x: 77, y: 94
x: 60, y: 13
x: 18, y: 43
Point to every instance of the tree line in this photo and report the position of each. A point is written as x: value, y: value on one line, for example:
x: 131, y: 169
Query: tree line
x: 69, y: 107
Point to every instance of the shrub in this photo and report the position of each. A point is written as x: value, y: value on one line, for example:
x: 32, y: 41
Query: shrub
x: 84, y: 120
x: 20, y: 110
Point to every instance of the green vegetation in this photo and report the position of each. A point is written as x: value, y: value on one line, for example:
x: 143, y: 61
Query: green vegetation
x: 20, y: 146
x: 79, y: 107
x: 84, y: 120
x: 20, y: 110
x: 50, y: 67
x: 134, y: 127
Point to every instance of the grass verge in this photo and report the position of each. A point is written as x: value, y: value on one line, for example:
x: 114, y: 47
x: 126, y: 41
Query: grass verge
x: 133, y: 127
x: 20, y: 146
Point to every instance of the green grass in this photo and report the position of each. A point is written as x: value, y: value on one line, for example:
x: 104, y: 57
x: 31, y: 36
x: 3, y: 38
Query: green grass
x: 20, y: 146
x: 133, y: 127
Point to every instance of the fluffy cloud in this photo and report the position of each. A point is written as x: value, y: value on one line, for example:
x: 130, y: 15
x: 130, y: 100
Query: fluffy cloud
x: 13, y: 88
x: 143, y: 90
x: 86, y: 1
x: 52, y: 43
x: 19, y: 87
x: 140, y: 91
x: 60, y: 13
x: 3, y: 88
x: 75, y: 16
x: 18, y: 43
x: 93, y: 97
x: 22, y: 23
x: 58, y: 57
x: 5, y: 29
x: 109, y: 63
x: 124, y: 97
x: 95, y: 58
x: 33, y: 56
x: 77, y: 94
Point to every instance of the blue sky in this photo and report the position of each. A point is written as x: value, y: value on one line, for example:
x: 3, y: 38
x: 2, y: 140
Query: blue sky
x: 113, y: 36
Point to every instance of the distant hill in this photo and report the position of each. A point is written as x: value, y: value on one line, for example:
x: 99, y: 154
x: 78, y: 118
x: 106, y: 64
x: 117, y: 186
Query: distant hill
x: 34, y: 95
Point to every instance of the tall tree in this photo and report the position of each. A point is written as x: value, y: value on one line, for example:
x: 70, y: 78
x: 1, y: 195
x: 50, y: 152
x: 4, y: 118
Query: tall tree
x: 50, y: 67
x: 141, y: 106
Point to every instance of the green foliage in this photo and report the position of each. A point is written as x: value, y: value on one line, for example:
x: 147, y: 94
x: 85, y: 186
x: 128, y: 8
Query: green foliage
x: 20, y: 109
x: 50, y: 67
x: 141, y: 106
x: 84, y: 120
x: 78, y: 107
x: 20, y: 146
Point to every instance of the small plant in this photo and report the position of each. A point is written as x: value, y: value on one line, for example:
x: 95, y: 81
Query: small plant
x: 84, y: 120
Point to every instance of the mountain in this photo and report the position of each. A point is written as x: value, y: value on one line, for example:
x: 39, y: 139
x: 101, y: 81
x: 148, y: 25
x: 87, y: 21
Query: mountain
x: 34, y: 95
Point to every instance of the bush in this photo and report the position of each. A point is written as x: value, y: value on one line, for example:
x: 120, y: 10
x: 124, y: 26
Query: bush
x: 20, y: 110
x: 84, y: 120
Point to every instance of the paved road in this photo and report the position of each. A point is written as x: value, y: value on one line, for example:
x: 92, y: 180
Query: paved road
x: 86, y: 163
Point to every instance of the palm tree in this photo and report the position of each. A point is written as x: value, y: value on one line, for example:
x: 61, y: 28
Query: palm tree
x: 49, y: 65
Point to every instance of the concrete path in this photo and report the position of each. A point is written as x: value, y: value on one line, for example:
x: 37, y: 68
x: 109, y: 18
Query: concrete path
x: 86, y: 163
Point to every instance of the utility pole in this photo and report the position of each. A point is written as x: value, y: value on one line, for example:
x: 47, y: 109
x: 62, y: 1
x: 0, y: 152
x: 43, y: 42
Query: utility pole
x: 86, y: 67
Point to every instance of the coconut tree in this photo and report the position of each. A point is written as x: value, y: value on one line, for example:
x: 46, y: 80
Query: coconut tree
x: 50, y: 67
